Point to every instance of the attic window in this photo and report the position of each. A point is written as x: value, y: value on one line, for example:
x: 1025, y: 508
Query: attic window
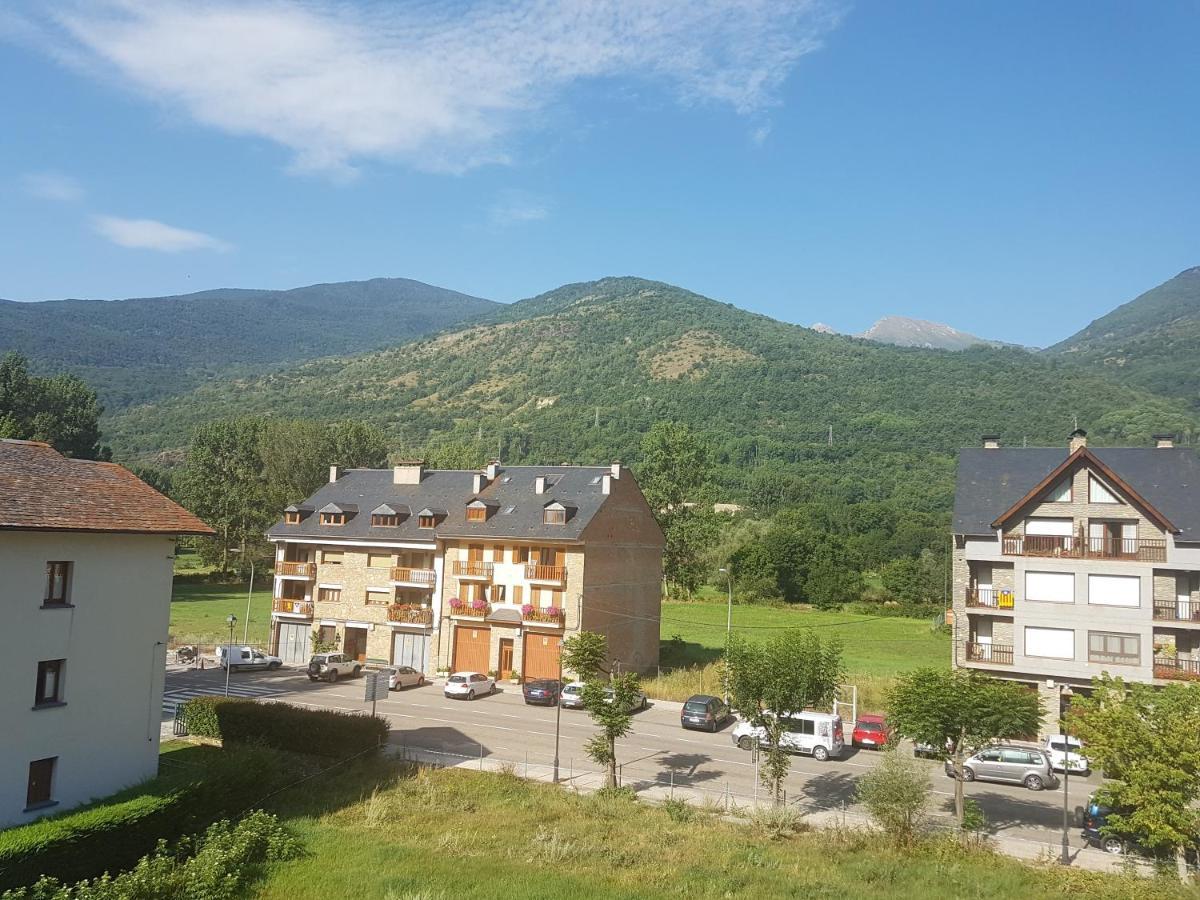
x: 508, y: 510
x: 333, y: 518
x: 476, y: 513
x: 1061, y: 492
x: 554, y: 516
x: 426, y: 521
x: 595, y: 480
x: 1098, y: 493
x: 384, y: 520
x: 292, y: 517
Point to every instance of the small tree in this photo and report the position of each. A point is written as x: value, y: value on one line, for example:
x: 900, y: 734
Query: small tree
x: 586, y: 654
x: 791, y: 671
x: 951, y: 709
x: 896, y: 793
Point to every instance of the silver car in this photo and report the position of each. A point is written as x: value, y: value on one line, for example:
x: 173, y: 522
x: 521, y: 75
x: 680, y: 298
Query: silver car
x: 1012, y: 765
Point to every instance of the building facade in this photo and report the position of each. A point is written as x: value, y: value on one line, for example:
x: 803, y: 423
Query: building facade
x: 1076, y: 561
x: 484, y: 571
x: 86, y: 552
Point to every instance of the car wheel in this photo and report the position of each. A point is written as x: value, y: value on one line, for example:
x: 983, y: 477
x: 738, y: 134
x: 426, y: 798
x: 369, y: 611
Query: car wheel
x: 968, y: 774
x: 1034, y: 782
x: 312, y: 677
x: 357, y: 671
x: 746, y: 742
x: 333, y: 675
x: 1112, y: 845
x: 820, y: 754
x: 421, y: 681
x: 274, y: 665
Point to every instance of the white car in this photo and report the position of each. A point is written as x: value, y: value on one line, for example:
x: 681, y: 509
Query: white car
x: 1056, y: 748
x: 237, y: 658
x: 469, y: 685
x: 818, y: 734
x: 572, y: 695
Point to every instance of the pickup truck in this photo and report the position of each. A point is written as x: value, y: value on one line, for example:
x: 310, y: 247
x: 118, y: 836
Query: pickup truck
x: 235, y: 658
x: 332, y: 666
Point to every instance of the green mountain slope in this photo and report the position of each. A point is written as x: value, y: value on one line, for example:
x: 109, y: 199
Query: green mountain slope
x: 150, y: 347
x: 1151, y: 342
x: 580, y: 373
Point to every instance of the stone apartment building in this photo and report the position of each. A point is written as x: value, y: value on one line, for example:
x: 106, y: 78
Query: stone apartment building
x: 486, y: 571
x: 86, y: 556
x: 1073, y: 561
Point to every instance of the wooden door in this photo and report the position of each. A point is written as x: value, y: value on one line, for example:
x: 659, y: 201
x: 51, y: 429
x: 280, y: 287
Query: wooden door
x: 356, y: 644
x: 541, y: 655
x: 471, y: 648
x: 506, y: 657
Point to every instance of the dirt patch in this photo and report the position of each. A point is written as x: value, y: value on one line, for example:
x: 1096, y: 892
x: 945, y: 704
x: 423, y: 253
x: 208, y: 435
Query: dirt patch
x: 690, y: 355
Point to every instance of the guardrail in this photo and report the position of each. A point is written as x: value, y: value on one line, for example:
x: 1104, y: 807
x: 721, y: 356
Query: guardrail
x: 535, y: 572
x: 472, y: 568
x: 414, y: 576
x: 996, y: 654
x: 989, y: 598
x: 302, y: 569
x: 295, y: 607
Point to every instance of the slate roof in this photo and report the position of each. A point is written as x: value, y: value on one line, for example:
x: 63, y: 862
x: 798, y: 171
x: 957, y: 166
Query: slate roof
x: 991, y: 481
x: 42, y: 490
x: 449, y: 491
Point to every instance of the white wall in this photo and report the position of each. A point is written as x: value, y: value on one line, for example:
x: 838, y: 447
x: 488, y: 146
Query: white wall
x: 113, y: 639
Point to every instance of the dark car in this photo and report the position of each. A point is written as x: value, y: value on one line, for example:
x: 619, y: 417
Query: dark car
x: 543, y: 692
x: 1095, y: 818
x: 702, y: 712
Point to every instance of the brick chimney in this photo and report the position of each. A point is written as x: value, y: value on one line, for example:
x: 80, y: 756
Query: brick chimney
x: 408, y: 471
x: 493, y: 469
x: 479, y: 482
x: 1077, y: 439
x: 991, y: 442
x: 1164, y: 441
x: 333, y: 474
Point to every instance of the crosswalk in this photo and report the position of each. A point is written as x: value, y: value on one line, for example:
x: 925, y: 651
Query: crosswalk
x: 178, y: 696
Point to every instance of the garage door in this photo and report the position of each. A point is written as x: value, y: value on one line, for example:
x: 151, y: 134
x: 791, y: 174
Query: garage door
x: 294, y: 644
x: 541, y: 655
x: 409, y: 649
x: 471, y: 646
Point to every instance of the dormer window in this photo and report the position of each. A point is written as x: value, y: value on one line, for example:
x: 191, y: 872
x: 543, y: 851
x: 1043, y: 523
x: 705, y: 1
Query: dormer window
x: 554, y: 516
x: 336, y: 513
x: 333, y: 518
x: 424, y: 521
x: 428, y: 517
x: 476, y: 513
x: 381, y: 520
x: 291, y: 517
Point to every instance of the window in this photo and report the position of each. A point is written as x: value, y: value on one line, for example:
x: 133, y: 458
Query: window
x: 1050, y: 587
x: 1060, y: 493
x: 1018, y: 757
x: 1114, y: 590
x: 508, y: 510
x: 1098, y: 493
x: 49, y: 682
x: 1113, y: 647
x: 477, y: 513
x: 379, y: 560
x: 332, y: 557
x: 329, y: 595
x: 552, y: 516
x: 518, y: 594
x: 332, y: 518
x: 291, y: 517
x: 498, y: 592
x: 39, y: 790
x: 379, y: 596
x: 799, y: 726
x: 522, y: 554
x: 58, y: 576
x: 382, y: 520
x: 424, y: 521
x: 1052, y: 643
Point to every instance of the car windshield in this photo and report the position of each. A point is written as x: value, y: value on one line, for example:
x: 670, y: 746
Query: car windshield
x: 1061, y: 747
x: 573, y: 689
x: 696, y: 706
x: 870, y: 726
x: 458, y: 679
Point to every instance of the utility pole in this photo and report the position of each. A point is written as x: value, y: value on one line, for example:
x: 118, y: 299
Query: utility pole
x: 249, y: 597
x: 830, y: 435
x: 728, y: 617
x: 597, y: 423
x: 232, y: 620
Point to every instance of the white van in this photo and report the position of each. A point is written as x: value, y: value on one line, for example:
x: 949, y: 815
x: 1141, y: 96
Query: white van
x: 234, y: 658
x: 815, y: 733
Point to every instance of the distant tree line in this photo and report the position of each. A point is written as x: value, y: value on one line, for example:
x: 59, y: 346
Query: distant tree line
x: 60, y: 410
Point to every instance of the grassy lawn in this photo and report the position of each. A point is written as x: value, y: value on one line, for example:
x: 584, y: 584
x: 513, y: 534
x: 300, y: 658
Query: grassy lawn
x: 199, y: 613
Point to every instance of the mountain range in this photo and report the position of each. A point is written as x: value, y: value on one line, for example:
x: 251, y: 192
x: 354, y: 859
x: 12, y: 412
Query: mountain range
x: 905, y: 332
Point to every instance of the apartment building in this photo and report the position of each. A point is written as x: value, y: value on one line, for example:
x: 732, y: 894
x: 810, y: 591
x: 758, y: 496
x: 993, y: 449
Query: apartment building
x: 456, y: 569
x: 86, y: 555
x: 1073, y: 561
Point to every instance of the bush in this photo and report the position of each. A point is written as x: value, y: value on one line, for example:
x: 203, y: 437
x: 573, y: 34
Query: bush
x: 896, y: 794
x: 217, y: 865
x: 777, y: 822
x: 320, y: 732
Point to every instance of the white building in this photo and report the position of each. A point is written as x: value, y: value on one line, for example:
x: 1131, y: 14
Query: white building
x: 86, y: 553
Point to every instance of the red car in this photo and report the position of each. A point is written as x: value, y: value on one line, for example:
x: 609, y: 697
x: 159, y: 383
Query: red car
x: 871, y: 731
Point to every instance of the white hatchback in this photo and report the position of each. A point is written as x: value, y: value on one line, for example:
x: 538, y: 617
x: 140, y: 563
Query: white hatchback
x: 1063, y: 750
x: 469, y: 685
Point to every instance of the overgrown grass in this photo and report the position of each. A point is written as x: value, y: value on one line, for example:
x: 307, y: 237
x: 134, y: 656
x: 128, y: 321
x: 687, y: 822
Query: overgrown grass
x: 199, y: 612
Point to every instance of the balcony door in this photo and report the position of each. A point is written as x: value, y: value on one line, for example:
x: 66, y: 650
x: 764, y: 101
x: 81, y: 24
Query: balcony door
x: 983, y: 583
x: 1183, y: 598
x: 983, y: 637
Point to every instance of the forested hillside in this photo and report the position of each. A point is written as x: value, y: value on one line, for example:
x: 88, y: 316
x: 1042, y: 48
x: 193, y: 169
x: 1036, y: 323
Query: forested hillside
x: 1151, y: 342
x: 151, y: 347
x: 581, y: 373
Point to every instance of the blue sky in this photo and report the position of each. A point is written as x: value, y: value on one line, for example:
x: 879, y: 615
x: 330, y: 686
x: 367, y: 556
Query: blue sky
x: 1013, y: 169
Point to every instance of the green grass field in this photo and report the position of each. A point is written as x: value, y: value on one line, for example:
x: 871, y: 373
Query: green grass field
x: 199, y: 612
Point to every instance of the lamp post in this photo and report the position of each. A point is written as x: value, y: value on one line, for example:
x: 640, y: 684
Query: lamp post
x: 232, y: 620
x: 728, y: 616
x: 1063, y: 692
x: 249, y: 596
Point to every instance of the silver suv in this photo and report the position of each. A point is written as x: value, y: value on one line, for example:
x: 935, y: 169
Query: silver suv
x: 1013, y: 765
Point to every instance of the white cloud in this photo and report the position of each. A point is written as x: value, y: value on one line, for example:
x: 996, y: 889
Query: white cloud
x: 149, y: 234
x: 52, y: 186
x: 439, y: 86
x: 516, y: 207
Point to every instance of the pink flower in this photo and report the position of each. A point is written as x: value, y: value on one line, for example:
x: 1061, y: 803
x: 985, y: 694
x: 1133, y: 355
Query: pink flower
x: 455, y: 603
x: 527, y: 610
x: 478, y: 604
x: 553, y: 612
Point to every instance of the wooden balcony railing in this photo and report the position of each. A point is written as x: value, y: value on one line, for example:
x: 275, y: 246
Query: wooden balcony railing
x: 997, y: 654
x: 295, y: 607
x: 411, y: 615
x: 535, y: 572
x: 414, y: 576
x: 472, y: 568
x: 466, y: 609
x: 1177, y: 611
x: 1177, y: 669
x: 989, y: 598
x: 558, y: 617
x: 303, y: 569
x: 1069, y: 547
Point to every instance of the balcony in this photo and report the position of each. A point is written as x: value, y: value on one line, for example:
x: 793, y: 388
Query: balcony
x: 1176, y: 669
x: 989, y: 598
x: 408, y: 614
x: 293, y: 607
x: 296, y: 569
x: 548, y: 615
x: 418, y: 577
x: 475, y: 609
x: 1065, y: 547
x: 995, y: 654
x: 553, y: 574
x: 1177, y: 611
x: 472, y: 568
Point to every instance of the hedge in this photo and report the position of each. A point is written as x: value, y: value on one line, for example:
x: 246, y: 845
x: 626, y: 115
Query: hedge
x: 319, y: 732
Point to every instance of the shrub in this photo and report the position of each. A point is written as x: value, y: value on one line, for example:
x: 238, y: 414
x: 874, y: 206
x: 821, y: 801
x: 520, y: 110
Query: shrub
x: 320, y: 732
x: 896, y: 794
x: 777, y: 822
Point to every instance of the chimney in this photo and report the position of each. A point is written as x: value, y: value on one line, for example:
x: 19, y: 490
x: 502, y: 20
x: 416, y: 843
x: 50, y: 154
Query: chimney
x: 606, y: 484
x: 616, y: 470
x: 539, y: 484
x: 408, y: 471
x: 493, y: 469
x: 479, y: 482
x: 991, y: 442
x: 1164, y: 441
x: 333, y: 474
x: 1078, y: 439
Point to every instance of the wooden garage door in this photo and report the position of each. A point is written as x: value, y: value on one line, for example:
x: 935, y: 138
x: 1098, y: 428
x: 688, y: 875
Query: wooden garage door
x: 471, y: 646
x: 541, y: 655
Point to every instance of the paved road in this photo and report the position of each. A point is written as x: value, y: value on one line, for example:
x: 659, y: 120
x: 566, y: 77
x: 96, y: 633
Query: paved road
x: 658, y: 752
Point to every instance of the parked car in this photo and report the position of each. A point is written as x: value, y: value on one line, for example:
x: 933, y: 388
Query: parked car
x: 543, y: 692
x: 928, y: 751
x: 815, y: 733
x: 1015, y: 765
x: 572, y: 695
x: 704, y: 712
x: 1095, y: 818
x: 237, y: 658
x: 1056, y: 748
x: 469, y: 685
x: 400, y: 676
x: 639, y: 699
x: 870, y: 730
x: 332, y: 666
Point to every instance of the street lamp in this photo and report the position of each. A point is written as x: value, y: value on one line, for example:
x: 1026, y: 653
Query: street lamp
x: 728, y: 617
x: 232, y: 620
x: 1064, y: 690
x: 249, y: 596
